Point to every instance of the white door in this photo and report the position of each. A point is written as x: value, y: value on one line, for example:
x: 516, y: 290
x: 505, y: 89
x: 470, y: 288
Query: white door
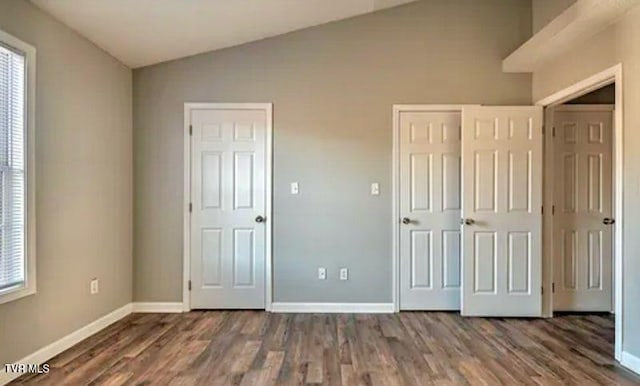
x: 501, y: 205
x: 582, y: 220
x: 228, y: 195
x: 430, y: 207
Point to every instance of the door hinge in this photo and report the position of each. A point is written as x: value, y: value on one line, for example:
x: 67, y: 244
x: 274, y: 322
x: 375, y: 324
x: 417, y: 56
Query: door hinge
x: 190, y: 129
x: 542, y: 209
x: 541, y: 290
x: 553, y: 209
x: 544, y: 129
x: 190, y: 207
x: 553, y: 288
x: 189, y: 285
x: 554, y: 131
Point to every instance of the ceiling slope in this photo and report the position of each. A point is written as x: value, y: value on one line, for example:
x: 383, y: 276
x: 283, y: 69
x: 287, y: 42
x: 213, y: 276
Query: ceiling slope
x: 145, y: 32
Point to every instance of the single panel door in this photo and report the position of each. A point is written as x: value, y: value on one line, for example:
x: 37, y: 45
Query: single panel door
x: 430, y: 210
x: 228, y: 194
x: 583, y: 230
x: 501, y: 205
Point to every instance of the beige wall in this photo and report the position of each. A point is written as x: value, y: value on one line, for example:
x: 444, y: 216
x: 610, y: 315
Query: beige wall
x: 333, y: 88
x: 617, y: 44
x: 546, y: 10
x: 84, y: 184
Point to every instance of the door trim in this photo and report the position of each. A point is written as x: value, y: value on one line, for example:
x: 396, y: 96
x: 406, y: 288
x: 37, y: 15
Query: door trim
x: 395, y: 182
x: 186, y: 248
x: 612, y: 75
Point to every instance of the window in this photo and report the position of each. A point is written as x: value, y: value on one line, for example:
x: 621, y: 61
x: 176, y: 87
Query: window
x: 17, y: 257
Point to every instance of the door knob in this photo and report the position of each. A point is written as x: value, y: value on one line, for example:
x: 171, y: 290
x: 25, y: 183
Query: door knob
x: 469, y: 221
x: 406, y: 220
x: 608, y: 221
x: 260, y: 219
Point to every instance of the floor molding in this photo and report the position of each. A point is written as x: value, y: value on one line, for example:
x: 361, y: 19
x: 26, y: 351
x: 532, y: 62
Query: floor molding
x: 161, y: 307
x: 369, y: 308
x: 631, y: 362
x: 55, y: 348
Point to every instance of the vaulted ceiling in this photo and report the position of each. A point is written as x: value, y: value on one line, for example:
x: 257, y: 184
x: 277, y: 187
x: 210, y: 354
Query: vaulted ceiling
x: 144, y: 32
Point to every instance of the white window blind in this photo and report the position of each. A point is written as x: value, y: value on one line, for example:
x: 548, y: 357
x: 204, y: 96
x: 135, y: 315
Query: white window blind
x: 12, y: 168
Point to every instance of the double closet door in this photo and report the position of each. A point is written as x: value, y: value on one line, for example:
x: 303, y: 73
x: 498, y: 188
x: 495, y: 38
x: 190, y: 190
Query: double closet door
x: 470, y: 192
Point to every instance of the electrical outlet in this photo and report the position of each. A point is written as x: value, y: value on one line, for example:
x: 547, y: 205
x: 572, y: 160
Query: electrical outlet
x: 322, y: 273
x: 95, y: 286
x: 294, y: 188
x: 344, y: 274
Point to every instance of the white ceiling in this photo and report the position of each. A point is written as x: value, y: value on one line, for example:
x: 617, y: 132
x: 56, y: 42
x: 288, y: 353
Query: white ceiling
x: 144, y: 32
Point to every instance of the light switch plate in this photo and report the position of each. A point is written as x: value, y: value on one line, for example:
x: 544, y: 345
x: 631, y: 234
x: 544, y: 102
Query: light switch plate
x: 294, y: 188
x: 375, y: 189
x: 322, y: 273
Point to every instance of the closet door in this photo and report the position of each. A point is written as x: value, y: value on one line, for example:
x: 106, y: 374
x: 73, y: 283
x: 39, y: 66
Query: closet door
x: 502, y: 211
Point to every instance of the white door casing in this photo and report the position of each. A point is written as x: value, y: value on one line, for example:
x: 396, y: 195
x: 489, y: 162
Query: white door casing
x: 583, y: 243
x: 229, y: 189
x: 430, y: 206
x: 502, y: 204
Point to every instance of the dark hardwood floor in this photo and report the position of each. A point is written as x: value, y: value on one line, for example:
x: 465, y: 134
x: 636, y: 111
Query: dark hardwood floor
x: 412, y: 348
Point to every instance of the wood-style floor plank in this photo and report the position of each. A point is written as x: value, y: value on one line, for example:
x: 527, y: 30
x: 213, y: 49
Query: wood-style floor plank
x: 410, y: 348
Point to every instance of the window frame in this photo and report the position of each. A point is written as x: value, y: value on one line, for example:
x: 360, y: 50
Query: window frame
x: 29, y: 287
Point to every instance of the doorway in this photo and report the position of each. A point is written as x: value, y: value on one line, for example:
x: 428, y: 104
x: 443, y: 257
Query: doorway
x: 227, y: 257
x: 582, y: 213
x: 610, y: 76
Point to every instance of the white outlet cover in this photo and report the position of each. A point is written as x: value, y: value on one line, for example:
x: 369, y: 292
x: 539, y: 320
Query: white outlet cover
x: 294, y: 188
x: 322, y: 273
x: 344, y: 274
x: 95, y: 286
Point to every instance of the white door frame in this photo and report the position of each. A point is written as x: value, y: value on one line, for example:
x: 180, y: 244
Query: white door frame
x: 395, y: 177
x: 186, y: 245
x: 603, y: 78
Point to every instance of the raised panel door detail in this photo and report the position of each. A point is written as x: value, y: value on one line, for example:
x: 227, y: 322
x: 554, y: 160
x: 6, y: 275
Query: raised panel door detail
x: 485, y: 260
x: 421, y: 181
x: 569, y: 182
x: 421, y: 133
x: 450, y: 181
x: 244, y: 132
x: 211, y: 132
x: 450, y: 133
x: 519, y: 262
x: 243, y: 257
x: 594, y: 183
x: 519, y: 181
x: 486, y: 173
x: 594, y: 261
x: 421, y: 259
x: 569, y: 133
x: 569, y: 251
x: 243, y: 180
x: 595, y: 131
x: 451, y: 258
x: 211, y: 180
x: 211, y: 257
x: 486, y: 129
x: 521, y: 128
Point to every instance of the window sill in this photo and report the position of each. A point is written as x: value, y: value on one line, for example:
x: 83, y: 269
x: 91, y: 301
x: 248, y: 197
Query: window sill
x: 16, y: 293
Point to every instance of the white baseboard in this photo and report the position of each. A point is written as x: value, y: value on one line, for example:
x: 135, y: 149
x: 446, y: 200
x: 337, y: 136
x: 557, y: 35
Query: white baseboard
x: 67, y: 342
x: 631, y: 362
x: 346, y: 308
x: 160, y: 307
